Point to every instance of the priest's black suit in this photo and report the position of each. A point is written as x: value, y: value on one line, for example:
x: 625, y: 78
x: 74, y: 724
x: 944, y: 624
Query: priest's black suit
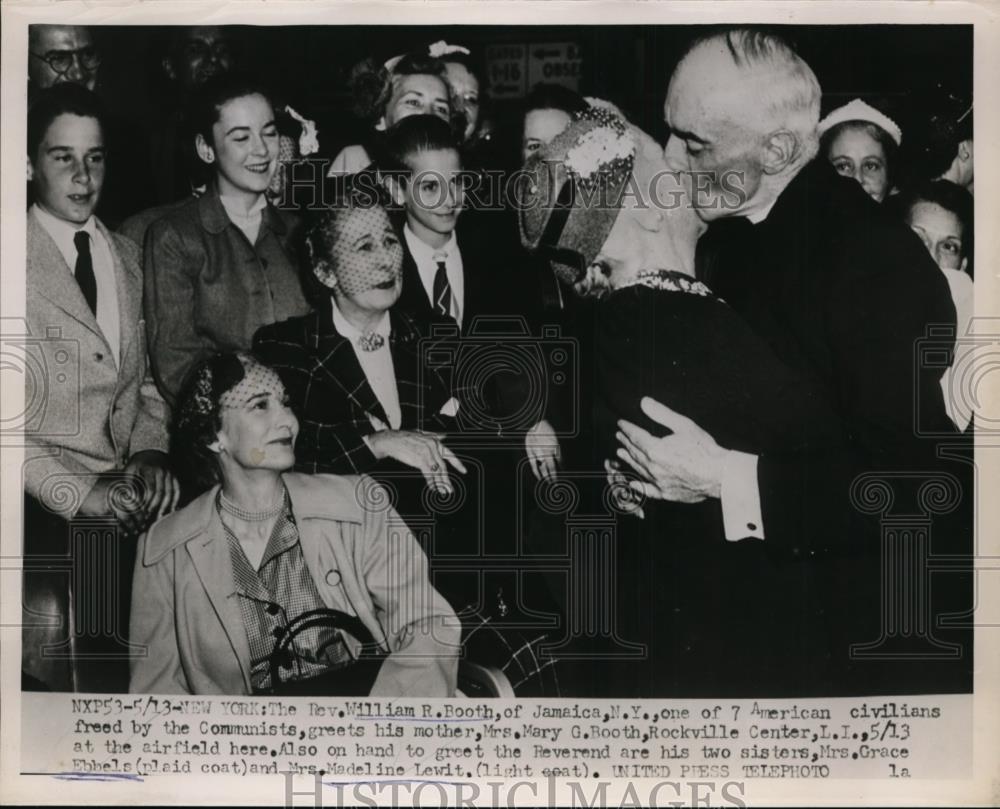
x: 845, y: 296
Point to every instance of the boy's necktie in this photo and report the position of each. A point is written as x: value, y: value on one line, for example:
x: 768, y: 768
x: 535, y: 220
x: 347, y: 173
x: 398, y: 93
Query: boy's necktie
x: 442, y: 289
x: 84, y: 270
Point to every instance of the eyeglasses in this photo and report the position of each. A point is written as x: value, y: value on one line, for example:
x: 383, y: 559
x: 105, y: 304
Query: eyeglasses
x: 61, y: 62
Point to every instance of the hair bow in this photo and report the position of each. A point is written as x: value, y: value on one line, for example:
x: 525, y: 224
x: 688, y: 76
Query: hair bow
x: 442, y: 48
x: 308, y: 140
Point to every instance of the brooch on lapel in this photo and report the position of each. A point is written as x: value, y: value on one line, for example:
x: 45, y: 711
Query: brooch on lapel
x: 372, y: 341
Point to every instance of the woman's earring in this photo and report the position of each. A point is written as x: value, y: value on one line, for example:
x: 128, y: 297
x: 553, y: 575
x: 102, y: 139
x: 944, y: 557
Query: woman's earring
x: 204, y: 150
x: 325, y: 275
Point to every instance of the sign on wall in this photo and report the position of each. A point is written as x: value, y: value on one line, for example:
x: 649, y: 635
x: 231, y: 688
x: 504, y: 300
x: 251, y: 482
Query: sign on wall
x: 515, y: 68
x: 555, y: 63
x: 507, y: 68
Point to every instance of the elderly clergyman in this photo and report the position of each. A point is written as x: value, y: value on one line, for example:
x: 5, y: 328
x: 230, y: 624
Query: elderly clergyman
x: 839, y: 291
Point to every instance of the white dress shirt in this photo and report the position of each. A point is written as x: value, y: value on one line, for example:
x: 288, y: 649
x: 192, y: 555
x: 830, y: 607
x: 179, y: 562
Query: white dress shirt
x: 377, y: 366
x: 62, y: 233
x: 425, y: 257
x: 247, y: 221
x: 350, y: 160
x: 741, y: 513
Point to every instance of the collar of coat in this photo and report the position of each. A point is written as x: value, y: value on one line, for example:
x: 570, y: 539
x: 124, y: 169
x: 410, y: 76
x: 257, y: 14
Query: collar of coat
x: 215, y: 219
x: 404, y: 329
x: 323, y: 497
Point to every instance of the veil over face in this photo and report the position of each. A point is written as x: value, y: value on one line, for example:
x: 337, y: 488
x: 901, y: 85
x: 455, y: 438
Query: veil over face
x: 585, y: 194
x: 662, y: 203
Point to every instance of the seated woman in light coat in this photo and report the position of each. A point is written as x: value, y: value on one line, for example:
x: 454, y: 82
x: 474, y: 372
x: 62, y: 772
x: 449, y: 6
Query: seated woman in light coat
x: 218, y: 581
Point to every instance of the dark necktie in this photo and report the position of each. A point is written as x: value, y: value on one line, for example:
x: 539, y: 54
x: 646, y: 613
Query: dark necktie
x: 442, y: 289
x: 85, y: 269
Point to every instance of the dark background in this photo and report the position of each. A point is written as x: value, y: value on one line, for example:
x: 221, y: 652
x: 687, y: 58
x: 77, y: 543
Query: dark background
x: 629, y: 65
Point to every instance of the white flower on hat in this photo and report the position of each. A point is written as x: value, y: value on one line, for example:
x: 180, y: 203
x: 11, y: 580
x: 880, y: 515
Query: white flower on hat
x: 442, y: 48
x: 604, y: 104
x: 858, y: 110
x: 601, y: 148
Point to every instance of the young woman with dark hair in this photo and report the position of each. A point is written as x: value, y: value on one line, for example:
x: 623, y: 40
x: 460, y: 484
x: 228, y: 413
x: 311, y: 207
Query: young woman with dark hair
x: 222, y: 265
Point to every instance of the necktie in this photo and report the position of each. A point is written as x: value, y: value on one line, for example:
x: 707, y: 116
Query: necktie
x: 442, y: 289
x: 84, y: 271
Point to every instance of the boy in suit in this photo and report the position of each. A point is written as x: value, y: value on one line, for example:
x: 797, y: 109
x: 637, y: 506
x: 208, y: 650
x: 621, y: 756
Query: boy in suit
x: 447, y: 275
x: 443, y: 275
x: 95, y: 453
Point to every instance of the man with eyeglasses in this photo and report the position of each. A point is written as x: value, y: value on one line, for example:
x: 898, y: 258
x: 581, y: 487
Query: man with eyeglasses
x: 62, y: 53
x: 70, y: 54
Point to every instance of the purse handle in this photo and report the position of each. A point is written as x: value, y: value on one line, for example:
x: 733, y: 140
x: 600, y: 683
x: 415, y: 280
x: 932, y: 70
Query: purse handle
x: 334, y: 619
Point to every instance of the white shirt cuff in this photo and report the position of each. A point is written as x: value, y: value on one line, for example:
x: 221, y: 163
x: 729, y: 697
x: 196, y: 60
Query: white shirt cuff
x: 741, y: 515
x: 450, y: 408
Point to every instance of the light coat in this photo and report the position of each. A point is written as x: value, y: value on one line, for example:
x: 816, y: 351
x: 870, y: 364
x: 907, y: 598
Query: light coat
x: 362, y: 557
x: 84, y: 415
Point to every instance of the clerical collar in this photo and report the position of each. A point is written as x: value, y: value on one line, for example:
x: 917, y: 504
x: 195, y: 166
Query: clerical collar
x: 759, y: 216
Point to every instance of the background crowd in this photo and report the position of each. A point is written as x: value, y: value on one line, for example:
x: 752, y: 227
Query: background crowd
x: 263, y: 240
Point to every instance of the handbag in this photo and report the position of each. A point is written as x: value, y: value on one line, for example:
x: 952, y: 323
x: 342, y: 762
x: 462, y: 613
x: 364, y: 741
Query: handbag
x: 355, y: 679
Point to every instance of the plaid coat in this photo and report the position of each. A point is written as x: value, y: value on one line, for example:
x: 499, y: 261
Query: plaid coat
x: 332, y: 397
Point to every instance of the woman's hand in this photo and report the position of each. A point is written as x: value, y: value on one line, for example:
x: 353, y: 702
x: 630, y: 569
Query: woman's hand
x: 421, y: 450
x: 543, y: 450
x: 686, y: 466
x: 162, y: 489
x: 140, y: 494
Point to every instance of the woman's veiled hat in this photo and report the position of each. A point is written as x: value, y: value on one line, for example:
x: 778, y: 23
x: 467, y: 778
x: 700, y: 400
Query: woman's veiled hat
x: 572, y: 190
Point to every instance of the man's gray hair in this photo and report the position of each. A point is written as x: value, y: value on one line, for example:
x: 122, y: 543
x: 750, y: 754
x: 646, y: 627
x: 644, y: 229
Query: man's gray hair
x: 787, y: 88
